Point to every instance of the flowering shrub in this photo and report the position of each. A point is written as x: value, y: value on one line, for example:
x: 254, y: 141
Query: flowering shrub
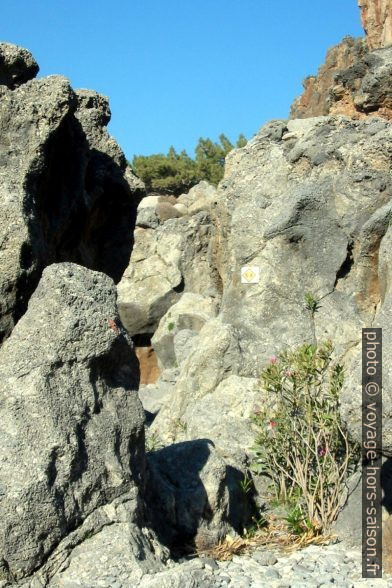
x: 301, y: 443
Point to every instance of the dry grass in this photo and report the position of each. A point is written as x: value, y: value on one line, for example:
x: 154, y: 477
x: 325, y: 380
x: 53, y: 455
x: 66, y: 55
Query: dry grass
x: 276, y: 536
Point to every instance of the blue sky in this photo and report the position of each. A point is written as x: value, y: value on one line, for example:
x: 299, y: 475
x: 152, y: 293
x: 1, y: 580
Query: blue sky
x: 176, y: 70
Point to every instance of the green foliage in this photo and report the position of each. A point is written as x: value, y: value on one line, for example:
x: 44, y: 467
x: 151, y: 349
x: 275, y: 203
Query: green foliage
x: 301, y: 443
x: 246, y: 484
x: 210, y: 158
x: 153, y: 442
x: 177, y: 172
x: 311, y: 302
x: 296, y: 521
x: 258, y: 523
x: 172, y: 173
x: 180, y: 425
x: 241, y: 141
x: 171, y: 326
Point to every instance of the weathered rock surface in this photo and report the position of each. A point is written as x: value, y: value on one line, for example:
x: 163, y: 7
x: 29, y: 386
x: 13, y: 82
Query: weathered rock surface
x: 354, y: 81
x: 352, y: 391
x: 358, y: 86
x: 66, y: 193
x: 196, y: 497
x: 316, y: 99
x: 149, y: 369
x: 153, y: 396
x: 17, y: 65
x: 171, y: 255
x: 308, y: 202
x: 189, y: 314
x: 364, y: 89
x: 111, y: 546
x: 376, y: 16
x: 71, y: 423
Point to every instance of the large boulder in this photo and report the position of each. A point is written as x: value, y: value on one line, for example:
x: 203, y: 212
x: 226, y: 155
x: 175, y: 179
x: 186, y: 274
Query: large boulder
x: 215, y: 356
x: 196, y: 498
x: 71, y: 423
x: 66, y: 192
x: 17, y: 65
x: 112, y: 545
x: 179, y: 326
x: 174, y: 252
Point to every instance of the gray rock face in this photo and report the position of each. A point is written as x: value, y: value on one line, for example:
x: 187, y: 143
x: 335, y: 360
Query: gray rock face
x: 17, y: 65
x: 189, y: 314
x: 195, y: 495
x: 71, y: 422
x: 308, y: 203
x: 312, y: 220
x: 111, y: 548
x: 352, y: 390
x: 66, y: 193
x: 170, y: 256
x: 153, y: 396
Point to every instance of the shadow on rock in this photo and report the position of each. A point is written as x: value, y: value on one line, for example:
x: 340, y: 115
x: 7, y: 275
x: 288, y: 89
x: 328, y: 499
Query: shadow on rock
x: 194, y: 499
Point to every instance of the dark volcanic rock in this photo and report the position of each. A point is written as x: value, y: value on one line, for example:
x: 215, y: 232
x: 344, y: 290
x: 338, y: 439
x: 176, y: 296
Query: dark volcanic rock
x: 366, y: 85
x: 17, y: 65
x: 71, y: 423
x: 66, y: 192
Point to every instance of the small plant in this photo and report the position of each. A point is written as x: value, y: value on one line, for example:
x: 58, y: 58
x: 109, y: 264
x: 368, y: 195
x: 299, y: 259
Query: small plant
x: 246, y: 484
x: 311, y: 302
x: 171, y: 326
x: 301, y: 443
x: 180, y: 425
x: 258, y: 524
x: 153, y: 442
x: 296, y: 521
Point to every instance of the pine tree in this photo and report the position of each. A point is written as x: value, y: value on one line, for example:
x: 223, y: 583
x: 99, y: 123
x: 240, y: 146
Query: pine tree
x: 176, y: 173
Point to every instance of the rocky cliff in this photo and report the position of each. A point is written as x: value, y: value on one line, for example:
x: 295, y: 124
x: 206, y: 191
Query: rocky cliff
x: 79, y: 500
x: 316, y: 99
x: 66, y: 192
x: 308, y: 204
x: 355, y: 78
x: 376, y: 16
x: 86, y: 265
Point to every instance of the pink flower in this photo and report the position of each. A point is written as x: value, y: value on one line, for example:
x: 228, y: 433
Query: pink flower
x: 290, y: 374
x: 322, y: 451
x: 273, y: 359
x: 273, y: 424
